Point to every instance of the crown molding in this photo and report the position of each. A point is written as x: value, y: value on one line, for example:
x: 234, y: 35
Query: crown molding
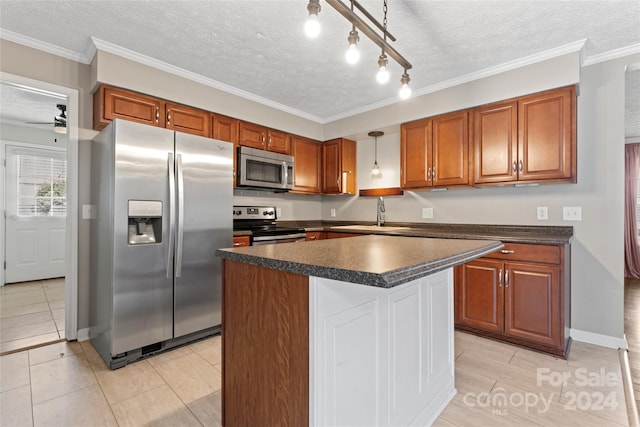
x: 189, y: 75
x: 44, y: 46
x: 467, y: 78
x: 612, y: 54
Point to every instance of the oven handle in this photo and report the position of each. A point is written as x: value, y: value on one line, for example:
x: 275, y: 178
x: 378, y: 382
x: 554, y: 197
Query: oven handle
x: 281, y: 237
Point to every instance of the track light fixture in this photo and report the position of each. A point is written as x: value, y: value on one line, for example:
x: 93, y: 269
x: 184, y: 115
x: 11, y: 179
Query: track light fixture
x: 312, y: 29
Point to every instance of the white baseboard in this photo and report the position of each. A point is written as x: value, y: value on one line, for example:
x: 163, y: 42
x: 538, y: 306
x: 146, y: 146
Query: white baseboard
x: 83, y: 334
x: 598, y: 339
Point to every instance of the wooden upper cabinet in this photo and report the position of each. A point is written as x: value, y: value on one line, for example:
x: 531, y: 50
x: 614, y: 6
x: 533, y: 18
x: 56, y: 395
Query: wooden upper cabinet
x: 112, y: 103
x: 434, y: 152
x: 339, y: 166
x: 279, y: 142
x: 547, y: 136
x: 307, y: 157
x: 415, y: 154
x: 256, y: 136
x: 224, y: 128
x: 187, y: 119
x: 495, y: 143
x: 528, y: 139
x: 450, y: 152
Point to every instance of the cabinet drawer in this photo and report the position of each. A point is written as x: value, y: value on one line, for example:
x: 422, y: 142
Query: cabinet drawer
x: 241, y: 241
x: 549, y: 254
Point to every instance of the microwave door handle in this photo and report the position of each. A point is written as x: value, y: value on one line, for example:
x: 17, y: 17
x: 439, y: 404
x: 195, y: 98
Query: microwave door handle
x: 285, y: 174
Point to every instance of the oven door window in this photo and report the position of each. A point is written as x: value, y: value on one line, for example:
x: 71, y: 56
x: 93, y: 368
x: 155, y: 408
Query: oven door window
x: 259, y: 171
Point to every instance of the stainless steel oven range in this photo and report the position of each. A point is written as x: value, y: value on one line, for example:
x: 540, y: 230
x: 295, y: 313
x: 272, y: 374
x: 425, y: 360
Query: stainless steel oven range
x: 261, y: 221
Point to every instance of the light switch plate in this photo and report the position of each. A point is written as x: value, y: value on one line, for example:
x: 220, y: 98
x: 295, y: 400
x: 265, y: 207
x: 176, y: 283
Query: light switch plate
x: 542, y: 213
x: 572, y: 213
x: 279, y: 212
x: 88, y: 211
x: 333, y: 212
x: 427, y: 213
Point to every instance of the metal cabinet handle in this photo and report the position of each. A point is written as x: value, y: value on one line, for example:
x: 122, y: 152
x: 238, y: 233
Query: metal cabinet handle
x: 269, y: 140
x: 313, y: 237
x: 515, y: 166
x: 506, y: 279
x: 428, y: 174
x: 433, y: 173
x: 157, y: 114
x: 237, y: 244
x: 520, y: 165
x: 168, y: 117
x: 507, y: 251
x: 262, y: 135
x: 500, y: 278
x: 338, y: 182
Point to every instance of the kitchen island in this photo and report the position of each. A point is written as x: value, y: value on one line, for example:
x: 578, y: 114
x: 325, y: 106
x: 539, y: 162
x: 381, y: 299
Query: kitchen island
x: 340, y: 332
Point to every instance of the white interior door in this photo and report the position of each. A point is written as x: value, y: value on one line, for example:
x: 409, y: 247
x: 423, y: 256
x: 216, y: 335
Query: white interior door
x: 36, y: 204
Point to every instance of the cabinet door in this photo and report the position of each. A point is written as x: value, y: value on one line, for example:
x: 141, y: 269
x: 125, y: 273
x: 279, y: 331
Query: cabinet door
x: 347, y: 171
x: 316, y: 235
x: 224, y: 128
x: 479, y: 294
x: 252, y: 135
x: 546, y: 136
x: 241, y: 241
x: 186, y: 119
x: 331, y: 168
x: 111, y: 103
x: 533, y: 303
x: 450, y: 150
x: 415, y: 154
x: 307, y: 155
x: 278, y: 142
x: 495, y: 143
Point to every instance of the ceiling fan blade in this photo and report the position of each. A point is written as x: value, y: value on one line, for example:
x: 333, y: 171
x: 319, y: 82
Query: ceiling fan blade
x: 40, y: 123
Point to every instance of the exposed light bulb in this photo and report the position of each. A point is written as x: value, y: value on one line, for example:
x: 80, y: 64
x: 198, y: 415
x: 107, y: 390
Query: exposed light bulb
x: 312, y: 26
x: 376, y: 173
x: 383, y: 74
x: 353, y: 54
x: 405, y: 90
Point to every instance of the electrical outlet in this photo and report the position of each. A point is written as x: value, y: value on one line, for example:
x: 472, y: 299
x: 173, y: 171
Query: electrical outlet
x: 279, y: 212
x: 542, y: 213
x: 572, y: 213
x: 427, y: 213
x: 333, y: 212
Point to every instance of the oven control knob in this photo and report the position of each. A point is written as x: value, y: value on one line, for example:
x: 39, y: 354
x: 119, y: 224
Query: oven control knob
x: 237, y: 212
x: 265, y: 213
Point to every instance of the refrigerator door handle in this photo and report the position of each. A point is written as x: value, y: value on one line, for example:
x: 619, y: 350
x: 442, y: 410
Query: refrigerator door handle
x: 180, y: 236
x: 172, y: 221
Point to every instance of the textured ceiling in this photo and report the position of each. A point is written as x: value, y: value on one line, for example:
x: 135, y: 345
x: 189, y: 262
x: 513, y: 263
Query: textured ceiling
x: 259, y: 46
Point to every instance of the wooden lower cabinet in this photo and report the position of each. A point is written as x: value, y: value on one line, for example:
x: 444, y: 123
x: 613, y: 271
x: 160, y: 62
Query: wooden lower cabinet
x: 241, y: 241
x: 519, y: 294
x: 338, y: 235
x: 316, y: 235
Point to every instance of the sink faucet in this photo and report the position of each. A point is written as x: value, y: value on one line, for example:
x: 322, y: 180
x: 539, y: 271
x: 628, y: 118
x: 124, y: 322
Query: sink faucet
x: 380, y: 218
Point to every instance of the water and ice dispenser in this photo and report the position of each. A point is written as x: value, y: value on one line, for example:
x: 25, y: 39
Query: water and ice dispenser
x: 145, y: 222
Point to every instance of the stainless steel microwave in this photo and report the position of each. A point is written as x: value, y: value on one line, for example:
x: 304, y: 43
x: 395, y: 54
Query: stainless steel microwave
x: 264, y: 169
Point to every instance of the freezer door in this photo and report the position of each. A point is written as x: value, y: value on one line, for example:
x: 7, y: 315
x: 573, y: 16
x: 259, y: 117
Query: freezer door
x: 142, y: 290
x: 204, y: 173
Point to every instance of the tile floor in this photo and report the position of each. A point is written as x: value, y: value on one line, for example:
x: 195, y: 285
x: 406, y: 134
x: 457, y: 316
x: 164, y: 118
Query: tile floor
x: 632, y: 331
x: 31, y: 313
x: 67, y: 384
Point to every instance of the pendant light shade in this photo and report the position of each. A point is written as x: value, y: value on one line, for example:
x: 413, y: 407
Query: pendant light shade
x: 376, y: 173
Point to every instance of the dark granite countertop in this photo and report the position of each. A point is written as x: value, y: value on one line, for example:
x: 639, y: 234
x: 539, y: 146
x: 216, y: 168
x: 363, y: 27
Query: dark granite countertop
x: 550, y: 235
x: 374, y: 260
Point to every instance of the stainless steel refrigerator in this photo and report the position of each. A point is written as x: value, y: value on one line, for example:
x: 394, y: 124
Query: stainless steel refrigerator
x: 163, y: 202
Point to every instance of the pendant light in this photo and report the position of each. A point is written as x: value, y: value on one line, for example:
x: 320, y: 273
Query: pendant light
x: 312, y: 26
x: 376, y: 173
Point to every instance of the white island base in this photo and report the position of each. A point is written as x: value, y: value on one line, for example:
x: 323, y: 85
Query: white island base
x: 380, y: 356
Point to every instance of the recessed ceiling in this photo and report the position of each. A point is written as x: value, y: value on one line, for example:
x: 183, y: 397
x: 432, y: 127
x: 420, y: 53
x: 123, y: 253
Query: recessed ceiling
x: 259, y: 46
